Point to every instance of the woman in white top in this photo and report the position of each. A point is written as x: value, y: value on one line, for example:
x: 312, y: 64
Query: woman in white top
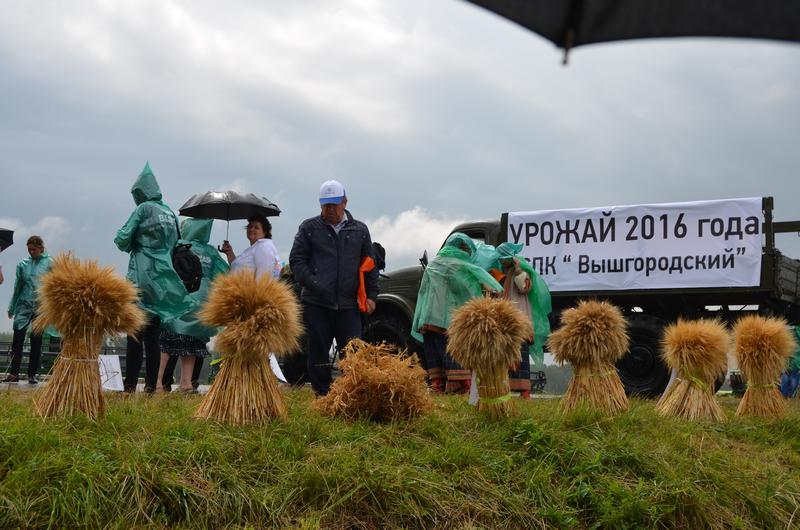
x: 261, y: 257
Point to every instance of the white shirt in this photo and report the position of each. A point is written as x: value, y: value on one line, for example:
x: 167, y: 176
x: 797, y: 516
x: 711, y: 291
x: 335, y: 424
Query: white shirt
x: 261, y: 257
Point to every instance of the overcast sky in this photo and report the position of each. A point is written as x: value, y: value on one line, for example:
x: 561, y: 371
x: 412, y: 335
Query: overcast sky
x: 429, y: 111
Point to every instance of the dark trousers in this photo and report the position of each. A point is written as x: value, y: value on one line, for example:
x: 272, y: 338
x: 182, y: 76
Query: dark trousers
x: 169, y: 371
x: 147, y: 339
x: 16, y: 352
x: 322, y: 326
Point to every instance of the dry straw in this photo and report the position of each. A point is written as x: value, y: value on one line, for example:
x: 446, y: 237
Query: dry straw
x: 485, y: 335
x: 697, y: 351
x: 592, y: 339
x: 377, y: 383
x: 84, y: 302
x: 260, y: 316
x: 762, y: 346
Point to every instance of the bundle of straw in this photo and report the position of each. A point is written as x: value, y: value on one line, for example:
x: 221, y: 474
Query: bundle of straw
x: 377, y: 383
x: 762, y: 346
x: 592, y: 339
x: 485, y: 335
x: 84, y: 302
x: 697, y: 351
x: 260, y: 316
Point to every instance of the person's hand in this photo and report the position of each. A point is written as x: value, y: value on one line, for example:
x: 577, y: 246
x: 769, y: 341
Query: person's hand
x: 10, y: 314
x: 370, y: 306
x: 227, y: 249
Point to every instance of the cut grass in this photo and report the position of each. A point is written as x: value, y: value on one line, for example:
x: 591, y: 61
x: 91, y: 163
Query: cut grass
x: 149, y: 464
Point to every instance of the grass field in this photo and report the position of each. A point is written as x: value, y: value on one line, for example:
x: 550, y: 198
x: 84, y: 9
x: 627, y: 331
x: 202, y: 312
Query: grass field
x: 149, y: 464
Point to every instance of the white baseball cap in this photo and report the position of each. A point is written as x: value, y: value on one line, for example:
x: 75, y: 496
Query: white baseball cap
x: 331, y: 192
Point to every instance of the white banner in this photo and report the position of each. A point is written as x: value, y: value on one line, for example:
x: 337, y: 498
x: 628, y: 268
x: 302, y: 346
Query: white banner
x: 649, y: 246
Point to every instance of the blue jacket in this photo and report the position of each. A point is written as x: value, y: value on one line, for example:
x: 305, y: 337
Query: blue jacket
x: 326, y: 264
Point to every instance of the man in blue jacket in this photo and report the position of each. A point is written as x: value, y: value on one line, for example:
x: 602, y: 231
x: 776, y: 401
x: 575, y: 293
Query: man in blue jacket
x: 325, y: 259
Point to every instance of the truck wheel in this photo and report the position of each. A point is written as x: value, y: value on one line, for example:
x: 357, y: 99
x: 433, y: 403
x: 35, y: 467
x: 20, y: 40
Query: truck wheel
x: 641, y: 369
x: 391, y: 330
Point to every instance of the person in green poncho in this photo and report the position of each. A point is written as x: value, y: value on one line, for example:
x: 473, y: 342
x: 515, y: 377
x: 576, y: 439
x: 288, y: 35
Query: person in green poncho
x: 149, y: 235
x: 188, y: 337
x: 524, y: 288
x: 790, y: 379
x: 23, y: 306
x: 449, y: 281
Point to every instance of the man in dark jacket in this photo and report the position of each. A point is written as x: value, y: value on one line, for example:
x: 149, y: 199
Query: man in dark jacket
x: 326, y: 255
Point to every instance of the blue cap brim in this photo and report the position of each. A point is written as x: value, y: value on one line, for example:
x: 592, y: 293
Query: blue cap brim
x: 331, y: 200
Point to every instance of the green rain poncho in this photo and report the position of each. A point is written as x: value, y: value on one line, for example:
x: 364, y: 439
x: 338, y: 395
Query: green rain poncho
x: 197, y: 232
x: 149, y: 236
x: 449, y: 281
x: 24, y: 302
x: 794, y: 360
x: 539, y: 297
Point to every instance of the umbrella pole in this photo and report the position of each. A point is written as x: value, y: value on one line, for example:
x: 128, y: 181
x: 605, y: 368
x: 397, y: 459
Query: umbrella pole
x: 227, y: 230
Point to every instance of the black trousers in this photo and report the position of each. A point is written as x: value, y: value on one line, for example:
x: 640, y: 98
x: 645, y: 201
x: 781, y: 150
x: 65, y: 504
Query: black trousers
x: 169, y: 371
x: 16, y: 352
x: 147, y: 339
x: 322, y: 326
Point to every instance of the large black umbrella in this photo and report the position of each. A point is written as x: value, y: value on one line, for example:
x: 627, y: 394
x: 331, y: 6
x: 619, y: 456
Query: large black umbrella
x: 228, y: 205
x: 6, y: 238
x: 570, y: 23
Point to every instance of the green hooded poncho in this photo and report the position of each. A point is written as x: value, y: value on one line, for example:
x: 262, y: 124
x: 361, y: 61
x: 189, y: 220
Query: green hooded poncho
x: 24, y: 302
x: 149, y: 235
x: 197, y: 232
x: 449, y: 281
x: 539, y: 298
x: 794, y: 360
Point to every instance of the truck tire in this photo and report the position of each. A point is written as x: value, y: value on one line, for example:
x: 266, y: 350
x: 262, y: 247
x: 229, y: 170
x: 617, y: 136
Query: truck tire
x: 390, y: 329
x: 642, y: 370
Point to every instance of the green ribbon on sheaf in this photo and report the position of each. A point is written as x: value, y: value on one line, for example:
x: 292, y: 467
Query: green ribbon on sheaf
x: 767, y: 386
x: 497, y: 400
x: 692, y: 379
x: 216, y: 361
x: 601, y: 374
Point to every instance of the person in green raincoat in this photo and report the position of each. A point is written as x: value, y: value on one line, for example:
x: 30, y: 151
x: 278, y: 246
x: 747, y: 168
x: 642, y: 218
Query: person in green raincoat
x: 449, y: 281
x: 23, y: 307
x: 524, y: 288
x: 149, y: 235
x: 187, y: 337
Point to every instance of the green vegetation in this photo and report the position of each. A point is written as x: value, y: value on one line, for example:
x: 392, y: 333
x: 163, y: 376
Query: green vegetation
x: 149, y: 464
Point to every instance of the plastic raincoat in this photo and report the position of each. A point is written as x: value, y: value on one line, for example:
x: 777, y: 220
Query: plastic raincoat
x: 24, y: 302
x: 197, y: 232
x: 149, y: 236
x: 539, y: 298
x: 449, y: 281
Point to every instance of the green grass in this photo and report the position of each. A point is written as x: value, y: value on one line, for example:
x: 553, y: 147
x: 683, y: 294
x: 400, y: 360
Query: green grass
x: 147, y: 463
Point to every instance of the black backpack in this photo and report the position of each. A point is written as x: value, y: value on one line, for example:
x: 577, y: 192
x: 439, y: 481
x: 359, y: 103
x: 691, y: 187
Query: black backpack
x: 187, y: 265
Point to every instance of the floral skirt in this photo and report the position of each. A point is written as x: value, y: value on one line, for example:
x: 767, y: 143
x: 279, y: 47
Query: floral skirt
x: 182, y: 345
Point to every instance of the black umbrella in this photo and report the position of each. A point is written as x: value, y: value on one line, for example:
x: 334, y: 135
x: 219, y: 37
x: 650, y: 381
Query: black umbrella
x: 570, y: 23
x: 6, y: 238
x: 228, y: 205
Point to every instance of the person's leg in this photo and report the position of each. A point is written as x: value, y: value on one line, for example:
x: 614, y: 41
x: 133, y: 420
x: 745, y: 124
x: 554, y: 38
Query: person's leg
x: 152, y: 350
x: 35, y: 356
x: 165, y: 358
x: 196, y: 369
x: 519, y: 380
x: 789, y: 383
x: 133, y: 362
x: 187, y: 364
x: 433, y: 348
x: 319, y: 335
x: 347, y: 326
x: 169, y: 373
x: 16, y: 353
x: 672, y: 376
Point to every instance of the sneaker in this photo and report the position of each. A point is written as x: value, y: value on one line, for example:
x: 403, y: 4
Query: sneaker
x: 11, y: 378
x: 32, y: 380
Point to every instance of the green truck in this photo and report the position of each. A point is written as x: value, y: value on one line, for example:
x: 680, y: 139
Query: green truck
x: 657, y: 262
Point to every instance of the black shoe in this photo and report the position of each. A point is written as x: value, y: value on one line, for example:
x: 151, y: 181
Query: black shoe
x: 11, y: 378
x: 32, y: 380
x: 149, y: 390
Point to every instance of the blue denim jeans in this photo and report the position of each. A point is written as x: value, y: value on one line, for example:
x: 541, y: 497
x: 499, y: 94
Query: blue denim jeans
x: 789, y: 382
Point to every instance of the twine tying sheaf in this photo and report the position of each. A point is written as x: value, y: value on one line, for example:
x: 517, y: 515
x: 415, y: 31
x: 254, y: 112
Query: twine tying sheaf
x: 691, y: 378
x: 597, y: 374
x: 496, y: 400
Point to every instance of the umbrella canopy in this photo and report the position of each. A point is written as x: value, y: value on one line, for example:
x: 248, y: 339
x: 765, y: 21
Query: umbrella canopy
x: 228, y: 205
x: 6, y: 238
x: 571, y: 23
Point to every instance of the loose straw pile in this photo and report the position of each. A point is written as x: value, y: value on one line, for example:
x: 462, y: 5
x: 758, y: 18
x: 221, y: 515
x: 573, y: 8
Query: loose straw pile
x: 697, y: 350
x: 762, y: 346
x: 260, y: 316
x: 378, y: 384
x: 84, y: 302
x: 592, y: 339
x: 485, y: 335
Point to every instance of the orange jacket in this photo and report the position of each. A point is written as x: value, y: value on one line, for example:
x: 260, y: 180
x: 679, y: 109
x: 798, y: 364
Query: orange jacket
x: 367, y: 264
